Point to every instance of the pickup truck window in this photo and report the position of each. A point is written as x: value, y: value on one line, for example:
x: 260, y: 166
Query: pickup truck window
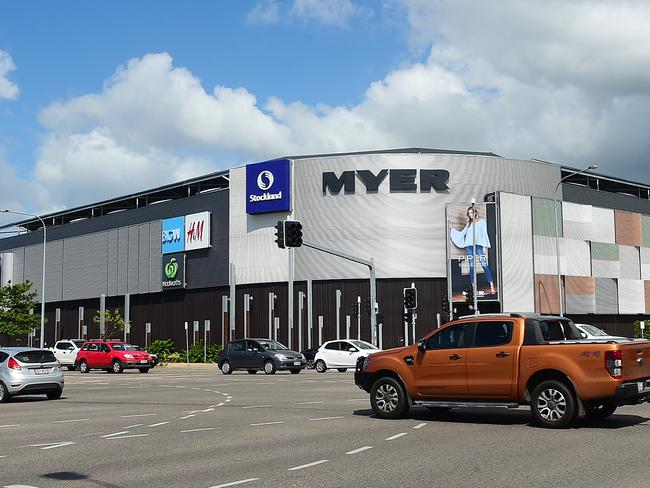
x: 493, y: 333
x: 448, y: 338
x: 556, y: 330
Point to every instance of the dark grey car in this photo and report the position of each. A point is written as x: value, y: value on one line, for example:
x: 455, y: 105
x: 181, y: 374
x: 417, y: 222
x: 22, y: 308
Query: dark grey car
x: 255, y: 355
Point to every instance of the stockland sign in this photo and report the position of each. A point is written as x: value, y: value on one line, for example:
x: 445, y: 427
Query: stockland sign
x: 268, y: 187
x: 173, y: 271
x: 186, y: 233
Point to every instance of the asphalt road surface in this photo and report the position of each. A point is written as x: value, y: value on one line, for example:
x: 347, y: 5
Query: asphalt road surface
x: 197, y: 428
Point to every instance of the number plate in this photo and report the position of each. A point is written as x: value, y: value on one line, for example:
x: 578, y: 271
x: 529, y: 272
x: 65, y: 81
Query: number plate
x: 296, y: 363
x: 41, y: 371
x: 143, y: 361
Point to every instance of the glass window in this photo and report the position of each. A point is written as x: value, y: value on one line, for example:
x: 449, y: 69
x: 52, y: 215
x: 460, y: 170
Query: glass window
x: 79, y: 342
x: 270, y: 345
x: 33, y: 357
x: 3, y: 356
x: 333, y: 346
x: 493, y: 333
x: 363, y: 345
x: 558, y: 330
x: 92, y: 347
x: 251, y: 345
x: 119, y: 347
x: 594, y: 331
x: 237, y: 346
x: 105, y: 348
x: 63, y: 346
x: 448, y: 338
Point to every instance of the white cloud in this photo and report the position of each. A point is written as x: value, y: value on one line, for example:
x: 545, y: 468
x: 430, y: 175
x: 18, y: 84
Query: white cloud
x: 265, y: 12
x: 8, y: 89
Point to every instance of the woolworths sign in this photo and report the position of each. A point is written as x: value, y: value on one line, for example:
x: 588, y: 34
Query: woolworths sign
x: 173, y: 271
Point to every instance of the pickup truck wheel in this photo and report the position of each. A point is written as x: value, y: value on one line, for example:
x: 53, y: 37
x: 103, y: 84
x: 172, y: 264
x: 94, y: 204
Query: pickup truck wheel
x: 553, y: 405
x: 599, y: 410
x: 388, y: 398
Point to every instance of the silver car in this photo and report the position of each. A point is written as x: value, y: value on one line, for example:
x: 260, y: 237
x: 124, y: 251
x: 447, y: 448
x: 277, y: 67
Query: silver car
x: 29, y: 371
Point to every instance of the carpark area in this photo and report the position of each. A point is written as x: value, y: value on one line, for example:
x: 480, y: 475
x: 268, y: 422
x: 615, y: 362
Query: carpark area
x: 194, y: 427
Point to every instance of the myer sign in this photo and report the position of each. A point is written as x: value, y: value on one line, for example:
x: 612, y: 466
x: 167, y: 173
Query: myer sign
x: 268, y: 187
x: 399, y: 180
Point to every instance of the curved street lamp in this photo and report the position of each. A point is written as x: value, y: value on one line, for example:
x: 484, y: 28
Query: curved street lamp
x: 557, y: 232
x: 15, y: 212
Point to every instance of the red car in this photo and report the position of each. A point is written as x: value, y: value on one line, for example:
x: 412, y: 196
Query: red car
x: 112, y: 356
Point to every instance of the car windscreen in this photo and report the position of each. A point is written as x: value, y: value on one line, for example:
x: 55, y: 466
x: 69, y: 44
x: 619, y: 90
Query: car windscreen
x: 363, y: 345
x: 594, y: 331
x: 79, y: 343
x: 35, y: 357
x: 119, y: 347
x: 272, y: 345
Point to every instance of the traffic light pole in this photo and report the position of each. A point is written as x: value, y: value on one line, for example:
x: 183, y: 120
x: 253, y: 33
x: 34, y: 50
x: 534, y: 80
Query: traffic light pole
x: 373, y: 282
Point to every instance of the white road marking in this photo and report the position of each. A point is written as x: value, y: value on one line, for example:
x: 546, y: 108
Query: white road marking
x: 309, y: 465
x: 129, y: 436
x: 68, y: 421
x: 396, y: 436
x: 3, y: 457
x: 235, y: 483
x: 183, y: 418
x: 61, y: 444
x: 9, y: 425
x: 327, y: 418
x: 158, y: 424
x: 133, y: 426
x: 361, y: 449
x: 198, y: 430
x: 307, y: 403
x: 266, y: 423
x: 257, y: 406
x: 357, y: 400
x: 88, y: 435
x: 419, y: 426
x: 138, y: 415
x: 116, y: 433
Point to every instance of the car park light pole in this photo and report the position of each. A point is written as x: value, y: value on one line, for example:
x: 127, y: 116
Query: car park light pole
x: 15, y: 212
x: 557, y: 232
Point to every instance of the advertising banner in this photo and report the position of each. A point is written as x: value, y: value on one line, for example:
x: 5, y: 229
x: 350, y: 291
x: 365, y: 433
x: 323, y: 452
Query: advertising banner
x: 268, y: 187
x: 173, y: 232
x: 197, y: 231
x: 173, y: 271
x: 463, y: 230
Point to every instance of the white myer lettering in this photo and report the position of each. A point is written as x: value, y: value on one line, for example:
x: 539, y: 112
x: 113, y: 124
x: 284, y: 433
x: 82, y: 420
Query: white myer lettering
x: 265, y: 196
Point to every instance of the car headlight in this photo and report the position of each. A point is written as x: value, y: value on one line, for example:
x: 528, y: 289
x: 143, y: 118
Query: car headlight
x: 302, y: 356
x: 282, y: 357
x: 128, y: 356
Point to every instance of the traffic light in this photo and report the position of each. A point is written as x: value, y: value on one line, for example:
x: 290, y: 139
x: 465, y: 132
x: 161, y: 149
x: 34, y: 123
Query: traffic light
x: 406, y: 316
x: 292, y: 233
x: 445, y: 305
x: 469, y: 297
x: 410, y: 298
x: 279, y: 234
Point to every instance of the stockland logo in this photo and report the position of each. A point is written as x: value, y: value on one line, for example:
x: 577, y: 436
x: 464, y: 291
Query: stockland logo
x: 268, y: 187
x: 171, y: 269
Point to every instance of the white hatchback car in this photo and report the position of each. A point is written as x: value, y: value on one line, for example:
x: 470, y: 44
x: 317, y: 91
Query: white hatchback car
x: 592, y: 332
x: 342, y: 354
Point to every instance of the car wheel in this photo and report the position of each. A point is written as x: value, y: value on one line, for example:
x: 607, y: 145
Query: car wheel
x: 54, y: 395
x: 269, y: 367
x: 553, y: 405
x: 309, y: 364
x: 342, y: 370
x: 294, y: 371
x: 83, y: 367
x: 321, y: 367
x: 252, y: 371
x: 388, y: 398
x: 4, y: 393
x: 71, y: 368
x: 226, y: 367
x: 144, y: 370
x: 599, y: 410
x: 116, y: 366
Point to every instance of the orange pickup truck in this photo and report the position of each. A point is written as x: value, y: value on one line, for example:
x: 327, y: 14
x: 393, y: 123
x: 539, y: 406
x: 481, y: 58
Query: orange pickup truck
x: 508, y: 360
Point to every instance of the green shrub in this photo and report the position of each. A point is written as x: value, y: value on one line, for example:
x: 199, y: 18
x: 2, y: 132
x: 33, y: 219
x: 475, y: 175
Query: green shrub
x: 637, y: 329
x: 175, y: 357
x: 162, y: 348
x: 196, y: 353
x: 213, y: 352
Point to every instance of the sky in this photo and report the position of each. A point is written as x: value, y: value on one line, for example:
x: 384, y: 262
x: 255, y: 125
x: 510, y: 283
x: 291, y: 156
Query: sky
x: 101, y: 99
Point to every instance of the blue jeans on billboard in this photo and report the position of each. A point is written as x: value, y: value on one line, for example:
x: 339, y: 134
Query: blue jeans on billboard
x: 481, y: 259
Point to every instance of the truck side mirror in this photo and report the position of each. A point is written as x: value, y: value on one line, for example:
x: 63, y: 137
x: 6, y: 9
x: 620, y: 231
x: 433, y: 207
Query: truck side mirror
x: 421, y: 346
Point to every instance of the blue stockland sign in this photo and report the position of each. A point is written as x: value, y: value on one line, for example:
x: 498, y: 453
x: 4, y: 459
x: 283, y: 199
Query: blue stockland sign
x: 173, y: 235
x: 268, y: 187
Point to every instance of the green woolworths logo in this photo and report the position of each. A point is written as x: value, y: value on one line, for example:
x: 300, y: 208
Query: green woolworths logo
x: 171, y: 269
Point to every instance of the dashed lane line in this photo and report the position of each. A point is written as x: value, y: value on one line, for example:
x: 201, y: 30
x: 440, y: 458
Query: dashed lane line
x: 69, y: 421
x: 419, y: 426
x: 257, y: 406
x: 158, y: 424
x: 308, y: 403
x: 128, y: 436
x: 133, y: 426
x: 197, y: 430
x: 308, y: 465
x: 116, y: 433
x: 138, y: 415
x: 235, y: 483
x: 357, y: 451
x: 90, y: 434
x: 9, y: 425
x: 325, y: 418
x: 396, y: 436
x: 266, y: 423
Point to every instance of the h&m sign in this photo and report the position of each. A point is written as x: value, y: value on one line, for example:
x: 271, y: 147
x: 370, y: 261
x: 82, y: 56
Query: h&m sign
x: 399, y: 180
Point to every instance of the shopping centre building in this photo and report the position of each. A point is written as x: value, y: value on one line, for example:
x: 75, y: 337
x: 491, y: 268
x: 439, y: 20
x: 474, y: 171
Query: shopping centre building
x: 193, y: 251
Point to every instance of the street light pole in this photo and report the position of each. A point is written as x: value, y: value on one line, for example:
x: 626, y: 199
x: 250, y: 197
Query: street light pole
x: 557, y: 233
x: 42, y: 336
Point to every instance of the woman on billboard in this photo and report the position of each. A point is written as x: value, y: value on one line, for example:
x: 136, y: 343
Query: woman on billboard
x: 464, y: 239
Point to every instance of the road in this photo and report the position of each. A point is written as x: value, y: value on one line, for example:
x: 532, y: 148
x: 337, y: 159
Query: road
x: 197, y: 428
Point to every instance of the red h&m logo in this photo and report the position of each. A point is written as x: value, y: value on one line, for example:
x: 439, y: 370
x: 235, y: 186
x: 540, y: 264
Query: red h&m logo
x: 195, y: 231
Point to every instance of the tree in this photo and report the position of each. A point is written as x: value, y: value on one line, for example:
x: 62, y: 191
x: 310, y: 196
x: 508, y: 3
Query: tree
x: 16, y: 304
x: 113, y: 322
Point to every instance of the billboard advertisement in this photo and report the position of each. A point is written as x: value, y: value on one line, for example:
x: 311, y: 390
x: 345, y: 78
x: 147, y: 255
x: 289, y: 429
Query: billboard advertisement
x: 173, y: 232
x: 467, y: 227
x: 173, y: 271
x: 268, y: 187
x: 197, y: 231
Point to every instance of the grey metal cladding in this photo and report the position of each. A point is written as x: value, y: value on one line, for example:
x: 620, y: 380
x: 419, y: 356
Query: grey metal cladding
x: 618, y: 201
x: 112, y: 265
x: 155, y: 256
x: 33, y: 269
x: 19, y: 264
x: 122, y: 260
x: 132, y: 271
x: 85, y: 274
x: 143, y: 257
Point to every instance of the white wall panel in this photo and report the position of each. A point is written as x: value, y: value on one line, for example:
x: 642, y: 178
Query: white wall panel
x: 545, y: 255
x: 603, y: 228
x: 645, y: 263
x: 606, y: 296
x: 577, y: 221
x: 577, y: 256
x: 630, y: 263
x: 631, y: 296
x: 517, y: 253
